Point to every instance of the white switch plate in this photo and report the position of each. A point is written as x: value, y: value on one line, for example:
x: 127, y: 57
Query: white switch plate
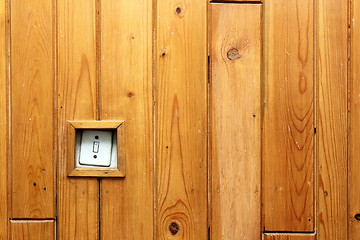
x: 96, y: 148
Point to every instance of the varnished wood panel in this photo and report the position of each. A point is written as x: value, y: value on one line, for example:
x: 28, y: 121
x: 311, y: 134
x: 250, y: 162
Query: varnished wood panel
x: 126, y: 88
x: 332, y: 70
x: 78, y: 198
x: 354, y: 167
x: 288, y: 179
x: 3, y: 124
x: 235, y: 89
x: 181, y: 119
x: 289, y: 236
x: 33, y: 230
x: 32, y: 109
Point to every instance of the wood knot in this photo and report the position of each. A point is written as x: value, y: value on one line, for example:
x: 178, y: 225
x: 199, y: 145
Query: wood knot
x: 163, y: 52
x: 131, y: 95
x: 174, y: 228
x: 179, y: 10
x: 357, y: 216
x: 233, y: 54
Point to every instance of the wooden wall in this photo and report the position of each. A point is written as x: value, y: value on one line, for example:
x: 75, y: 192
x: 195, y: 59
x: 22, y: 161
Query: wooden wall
x: 240, y: 118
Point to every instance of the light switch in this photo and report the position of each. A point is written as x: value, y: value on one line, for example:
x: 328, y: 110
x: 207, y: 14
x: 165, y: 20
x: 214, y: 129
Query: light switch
x: 96, y: 148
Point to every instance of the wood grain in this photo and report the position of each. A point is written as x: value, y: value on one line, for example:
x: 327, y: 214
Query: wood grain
x: 95, y: 124
x: 235, y: 106
x: 32, y: 109
x: 288, y: 236
x: 78, y: 198
x: 127, y: 205
x: 354, y: 167
x: 33, y: 230
x: 181, y: 119
x: 332, y: 121
x: 288, y: 180
x: 3, y: 123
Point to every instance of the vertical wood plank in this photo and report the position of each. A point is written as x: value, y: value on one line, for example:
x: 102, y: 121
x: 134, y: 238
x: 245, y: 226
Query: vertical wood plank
x: 354, y: 167
x: 275, y: 236
x: 235, y: 89
x: 33, y: 230
x: 126, y: 94
x: 181, y: 119
x: 78, y: 198
x: 332, y: 70
x: 288, y: 179
x: 3, y: 123
x: 32, y: 109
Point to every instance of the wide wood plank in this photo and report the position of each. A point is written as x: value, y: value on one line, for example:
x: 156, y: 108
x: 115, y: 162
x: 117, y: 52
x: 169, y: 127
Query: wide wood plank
x: 33, y: 230
x: 32, y: 109
x: 127, y: 205
x: 354, y: 167
x: 235, y: 105
x: 3, y: 124
x: 288, y: 236
x: 181, y: 119
x: 332, y: 121
x: 78, y: 198
x: 288, y: 179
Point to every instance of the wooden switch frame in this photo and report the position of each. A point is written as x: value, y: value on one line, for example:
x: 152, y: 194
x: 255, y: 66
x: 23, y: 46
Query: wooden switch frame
x: 74, y: 171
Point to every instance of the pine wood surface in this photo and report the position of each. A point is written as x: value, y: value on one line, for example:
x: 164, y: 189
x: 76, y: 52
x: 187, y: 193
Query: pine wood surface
x: 235, y: 107
x: 332, y: 120
x: 32, y: 230
x: 181, y: 119
x: 3, y: 123
x: 354, y: 157
x: 78, y: 198
x: 32, y: 109
x: 288, y: 156
x: 126, y: 88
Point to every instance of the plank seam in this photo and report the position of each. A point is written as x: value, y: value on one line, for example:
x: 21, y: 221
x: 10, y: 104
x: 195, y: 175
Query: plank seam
x: 32, y: 219
x: 348, y: 154
x: 290, y: 233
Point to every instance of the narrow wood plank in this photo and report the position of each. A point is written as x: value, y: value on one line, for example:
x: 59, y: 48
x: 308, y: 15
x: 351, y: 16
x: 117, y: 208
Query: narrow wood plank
x: 181, y: 119
x: 235, y: 93
x: 77, y: 85
x: 288, y: 179
x: 33, y: 230
x: 32, y: 109
x: 332, y: 70
x: 3, y: 123
x: 354, y: 167
x: 126, y: 94
x: 332, y: 120
x: 289, y: 236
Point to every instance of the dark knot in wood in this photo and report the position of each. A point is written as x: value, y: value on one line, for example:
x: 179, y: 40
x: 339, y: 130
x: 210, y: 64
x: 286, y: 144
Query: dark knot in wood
x: 178, y: 10
x: 233, y: 54
x: 174, y: 228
